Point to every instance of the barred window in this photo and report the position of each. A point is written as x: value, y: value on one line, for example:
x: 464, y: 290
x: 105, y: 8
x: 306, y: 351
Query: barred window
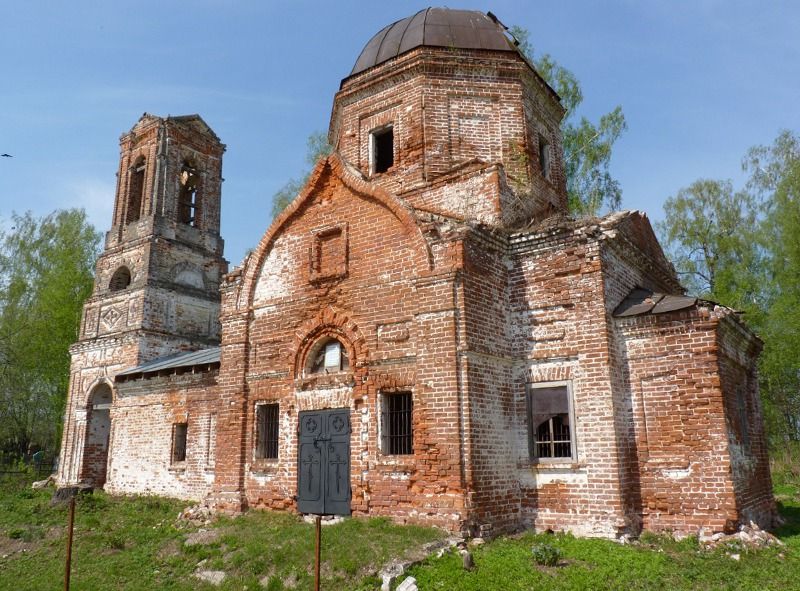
x: 550, y: 422
x: 397, y: 437
x: 179, y: 432
x: 267, y: 431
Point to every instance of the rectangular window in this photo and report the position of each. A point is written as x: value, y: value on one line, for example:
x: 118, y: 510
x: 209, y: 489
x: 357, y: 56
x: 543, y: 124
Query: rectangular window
x: 179, y: 431
x: 397, y: 436
x: 267, y: 432
x: 381, y: 147
x: 550, y: 422
x: 544, y: 157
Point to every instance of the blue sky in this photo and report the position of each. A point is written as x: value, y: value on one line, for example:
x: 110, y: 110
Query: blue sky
x: 699, y: 81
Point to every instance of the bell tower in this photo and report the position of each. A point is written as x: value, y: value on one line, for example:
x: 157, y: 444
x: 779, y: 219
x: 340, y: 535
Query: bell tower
x: 160, y: 271
x: 156, y: 289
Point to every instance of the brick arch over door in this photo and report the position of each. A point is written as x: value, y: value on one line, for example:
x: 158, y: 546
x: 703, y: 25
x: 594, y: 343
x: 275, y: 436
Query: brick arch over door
x: 423, y: 259
x: 98, y: 433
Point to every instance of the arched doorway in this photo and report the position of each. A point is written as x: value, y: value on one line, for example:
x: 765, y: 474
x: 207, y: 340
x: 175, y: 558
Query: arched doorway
x: 98, y: 430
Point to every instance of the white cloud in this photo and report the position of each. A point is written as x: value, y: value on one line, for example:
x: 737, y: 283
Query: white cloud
x: 94, y: 195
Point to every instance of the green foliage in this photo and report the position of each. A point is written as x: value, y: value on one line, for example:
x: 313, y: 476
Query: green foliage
x: 741, y: 248
x: 714, y: 242
x: 546, y: 554
x: 317, y: 147
x: 46, y: 270
x: 587, y: 146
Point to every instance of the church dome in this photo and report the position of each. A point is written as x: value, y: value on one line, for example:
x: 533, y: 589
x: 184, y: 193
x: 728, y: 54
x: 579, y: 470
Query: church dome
x: 435, y: 27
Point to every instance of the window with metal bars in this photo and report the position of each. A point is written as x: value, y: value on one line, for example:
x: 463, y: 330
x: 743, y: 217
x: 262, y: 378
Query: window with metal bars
x: 179, y: 432
x: 550, y: 421
x: 397, y: 434
x: 267, y: 431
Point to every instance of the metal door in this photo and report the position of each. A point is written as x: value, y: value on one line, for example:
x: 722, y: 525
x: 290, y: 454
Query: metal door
x: 323, y: 462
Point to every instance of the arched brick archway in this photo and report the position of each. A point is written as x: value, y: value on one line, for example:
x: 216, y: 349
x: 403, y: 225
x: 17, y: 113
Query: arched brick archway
x: 98, y: 431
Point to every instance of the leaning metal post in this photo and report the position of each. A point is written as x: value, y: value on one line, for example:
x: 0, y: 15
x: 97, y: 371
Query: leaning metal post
x: 69, y: 541
x: 317, y: 552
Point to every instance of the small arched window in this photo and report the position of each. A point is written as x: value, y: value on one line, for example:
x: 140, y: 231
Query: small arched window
x: 328, y: 356
x: 120, y: 280
x: 135, y: 191
x: 188, y: 199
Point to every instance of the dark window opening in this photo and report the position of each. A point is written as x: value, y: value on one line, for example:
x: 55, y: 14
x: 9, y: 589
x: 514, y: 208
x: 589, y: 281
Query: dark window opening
x: 550, y: 423
x: 397, y: 429
x: 135, y: 191
x: 188, y: 196
x: 382, y: 149
x: 179, y: 431
x: 328, y: 357
x: 120, y: 280
x: 544, y: 157
x: 267, y: 431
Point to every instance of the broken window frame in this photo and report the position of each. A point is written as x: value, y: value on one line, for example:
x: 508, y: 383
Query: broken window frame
x: 180, y: 438
x: 381, y: 157
x: 189, y: 210
x: 397, y: 423
x: 533, y: 427
x: 267, y: 419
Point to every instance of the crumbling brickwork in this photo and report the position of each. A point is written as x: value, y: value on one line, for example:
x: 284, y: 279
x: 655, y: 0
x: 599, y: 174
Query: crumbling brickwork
x: 501, y: 364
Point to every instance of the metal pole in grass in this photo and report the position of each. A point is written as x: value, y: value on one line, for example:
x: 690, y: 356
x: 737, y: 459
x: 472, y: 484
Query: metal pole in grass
x: 69, y: 541
x: 317, y: 552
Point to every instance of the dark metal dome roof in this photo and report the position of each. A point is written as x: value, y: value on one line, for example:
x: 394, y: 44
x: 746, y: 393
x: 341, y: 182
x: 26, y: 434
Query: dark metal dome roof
x: 437, y: 27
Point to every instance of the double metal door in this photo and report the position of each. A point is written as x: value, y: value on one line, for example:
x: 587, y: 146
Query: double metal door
x: 323, y: 462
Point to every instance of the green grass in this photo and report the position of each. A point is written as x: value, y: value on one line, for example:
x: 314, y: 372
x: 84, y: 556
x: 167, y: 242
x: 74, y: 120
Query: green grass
x: 133, y: 543
x: 654, y: 562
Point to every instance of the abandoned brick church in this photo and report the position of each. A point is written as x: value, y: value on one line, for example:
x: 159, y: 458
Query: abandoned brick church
x: 423, y: 333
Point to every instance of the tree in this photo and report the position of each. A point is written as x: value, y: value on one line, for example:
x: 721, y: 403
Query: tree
x: 46, y: 271
x: 742, y: 249
x: 712, y: 235
x: 587, y: 146
x: 775, y: 179
x: 317, y: 147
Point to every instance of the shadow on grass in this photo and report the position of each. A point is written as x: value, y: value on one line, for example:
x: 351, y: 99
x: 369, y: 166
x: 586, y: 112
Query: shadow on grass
x: 790, y: 529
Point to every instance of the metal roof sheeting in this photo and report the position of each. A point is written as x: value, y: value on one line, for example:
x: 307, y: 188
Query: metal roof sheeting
x: 643, y: 301
x: 193, y: 358
x: 436, y: 27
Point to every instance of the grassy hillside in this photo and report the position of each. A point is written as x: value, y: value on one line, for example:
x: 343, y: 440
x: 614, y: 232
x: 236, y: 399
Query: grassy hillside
x: 138, y: 543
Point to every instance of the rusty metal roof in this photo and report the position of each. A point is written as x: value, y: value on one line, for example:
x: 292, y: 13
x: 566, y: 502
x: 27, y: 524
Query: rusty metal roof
x: 179, y: 360
x: 437, y: 27
x: 643, y: 301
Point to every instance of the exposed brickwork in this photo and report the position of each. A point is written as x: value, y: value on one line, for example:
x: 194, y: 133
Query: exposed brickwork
x: 456, y: 276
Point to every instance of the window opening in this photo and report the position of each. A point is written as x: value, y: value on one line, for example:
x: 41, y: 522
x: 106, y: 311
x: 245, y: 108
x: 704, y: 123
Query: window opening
x: 550, y: 422
x: 135, y: 191
x: 397, y: 429
x: 544, y: 157
x: 188, y: 198
x: 382, y: 149
x: 267, y: 431
x: 179, y: 431
x: 329, y: 356
x: 120, y: 280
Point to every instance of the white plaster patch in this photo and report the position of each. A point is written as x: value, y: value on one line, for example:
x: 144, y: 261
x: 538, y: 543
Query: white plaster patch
x: 281, y: 263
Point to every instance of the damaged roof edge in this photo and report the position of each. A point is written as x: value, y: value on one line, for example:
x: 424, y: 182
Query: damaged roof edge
x: 179, y: 360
